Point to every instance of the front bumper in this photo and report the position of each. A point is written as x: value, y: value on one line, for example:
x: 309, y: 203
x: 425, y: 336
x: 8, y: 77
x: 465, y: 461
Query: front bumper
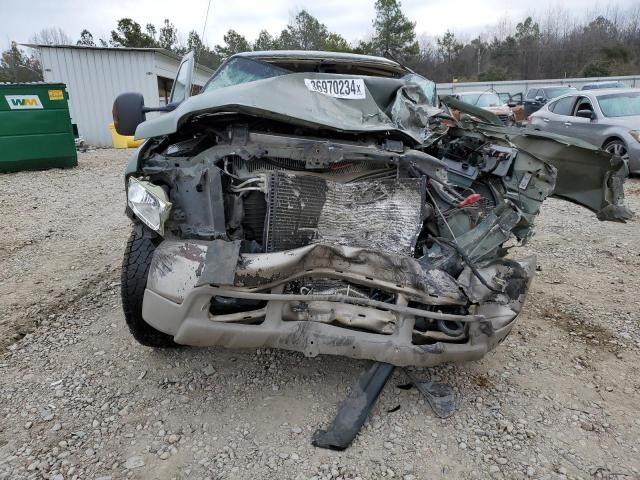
x: 185, y: 275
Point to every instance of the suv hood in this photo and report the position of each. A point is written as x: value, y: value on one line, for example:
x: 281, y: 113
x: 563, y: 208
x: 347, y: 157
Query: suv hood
x: 286, y: 98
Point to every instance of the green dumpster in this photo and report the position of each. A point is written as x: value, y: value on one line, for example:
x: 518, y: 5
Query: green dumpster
x: 35, y: 127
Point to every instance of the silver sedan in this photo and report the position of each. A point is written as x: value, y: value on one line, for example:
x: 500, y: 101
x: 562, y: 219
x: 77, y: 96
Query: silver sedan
x: 609, y: 119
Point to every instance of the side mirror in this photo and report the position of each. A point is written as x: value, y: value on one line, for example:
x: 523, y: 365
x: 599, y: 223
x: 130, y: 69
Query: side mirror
x: 128, y: 113
x: 586, y: 114
x: 539, y: 99
x: 512, y: 104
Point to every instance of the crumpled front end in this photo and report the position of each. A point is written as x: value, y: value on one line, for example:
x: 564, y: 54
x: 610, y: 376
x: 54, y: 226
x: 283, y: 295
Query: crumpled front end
x: 318, y: 299
x: 387, y: 245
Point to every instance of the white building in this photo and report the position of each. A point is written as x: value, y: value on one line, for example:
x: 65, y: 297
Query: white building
x: 95, y: 76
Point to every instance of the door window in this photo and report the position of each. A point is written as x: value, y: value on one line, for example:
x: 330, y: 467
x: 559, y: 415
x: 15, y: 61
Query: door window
x: 583, y: 103
x: 564, y: 106
x: 179, y: 91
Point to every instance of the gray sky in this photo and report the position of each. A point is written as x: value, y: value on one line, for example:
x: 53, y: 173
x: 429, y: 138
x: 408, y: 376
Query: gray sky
x: 351, y: 18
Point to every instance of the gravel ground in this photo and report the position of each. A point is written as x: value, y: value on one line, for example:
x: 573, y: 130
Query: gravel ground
x: 560, y: 398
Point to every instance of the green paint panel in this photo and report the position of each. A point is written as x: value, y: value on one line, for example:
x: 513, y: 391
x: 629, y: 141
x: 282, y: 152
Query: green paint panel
x: 35, y: 127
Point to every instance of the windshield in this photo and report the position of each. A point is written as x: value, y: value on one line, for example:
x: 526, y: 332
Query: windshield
x: 556, y: 92
x: 481, y: 99
x: 428, y: 87
x: 242, y: 70
x: 620, y: 104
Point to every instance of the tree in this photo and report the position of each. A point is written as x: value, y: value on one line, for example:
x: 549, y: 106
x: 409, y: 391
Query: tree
x: 394, y: 33
x: 129, y: 34
x: 152, y: 31
x: 194, y: 43
x: 51, y: 36
x: 204, y: 56
x: 265, y: 41
x: 596, y: 69
x: 449, y: 48
x: 86, y: 39
x: 480, y: 48
x: 168, y: 36
x: 334, y: 42
x: 306, y: 32
x: 16, y: 66
x: 528, y: 38
x: 493, y: 74
x: 233, y: 43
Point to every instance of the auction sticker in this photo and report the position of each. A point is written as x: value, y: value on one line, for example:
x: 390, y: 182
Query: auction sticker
x: 351, y: 88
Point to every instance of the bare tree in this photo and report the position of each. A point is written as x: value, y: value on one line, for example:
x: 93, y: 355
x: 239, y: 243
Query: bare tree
x: 51, y: 36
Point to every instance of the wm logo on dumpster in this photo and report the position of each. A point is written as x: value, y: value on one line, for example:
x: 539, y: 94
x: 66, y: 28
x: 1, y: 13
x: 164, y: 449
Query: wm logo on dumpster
x: 23, y: 102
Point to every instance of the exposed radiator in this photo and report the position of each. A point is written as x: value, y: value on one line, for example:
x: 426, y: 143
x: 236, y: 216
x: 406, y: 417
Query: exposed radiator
x: 344, y: 171
x: 381, y: 214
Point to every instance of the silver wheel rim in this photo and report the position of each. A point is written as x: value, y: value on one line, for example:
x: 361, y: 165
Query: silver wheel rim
x: 617, y: 149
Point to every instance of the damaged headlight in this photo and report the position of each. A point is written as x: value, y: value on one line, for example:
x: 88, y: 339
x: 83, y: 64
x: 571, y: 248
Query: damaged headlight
x: 149, y: 203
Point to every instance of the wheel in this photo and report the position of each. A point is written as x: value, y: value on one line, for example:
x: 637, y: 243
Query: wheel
x: 135, y: 268
x: 617, y: 147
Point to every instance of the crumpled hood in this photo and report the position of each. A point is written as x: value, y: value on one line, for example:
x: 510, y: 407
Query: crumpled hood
x: 288, y: 99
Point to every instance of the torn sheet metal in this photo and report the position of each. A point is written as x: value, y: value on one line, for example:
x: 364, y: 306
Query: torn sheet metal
x: 263, y: 271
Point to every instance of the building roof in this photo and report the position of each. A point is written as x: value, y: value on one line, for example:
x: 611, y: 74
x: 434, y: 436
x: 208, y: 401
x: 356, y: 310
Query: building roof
x: 161, y: 51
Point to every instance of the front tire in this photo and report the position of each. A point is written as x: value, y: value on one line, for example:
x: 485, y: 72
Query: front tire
x: 617, y: 147
x: 133, y: 281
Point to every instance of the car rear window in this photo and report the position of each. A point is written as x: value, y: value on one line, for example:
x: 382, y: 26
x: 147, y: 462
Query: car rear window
x: 620, y: 104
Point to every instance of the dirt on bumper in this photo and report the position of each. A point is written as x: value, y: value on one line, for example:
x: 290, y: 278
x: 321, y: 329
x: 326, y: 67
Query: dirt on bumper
x: 185, y: 275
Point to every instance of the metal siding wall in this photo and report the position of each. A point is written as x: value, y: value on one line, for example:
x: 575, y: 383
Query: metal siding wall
x: 94, y: 78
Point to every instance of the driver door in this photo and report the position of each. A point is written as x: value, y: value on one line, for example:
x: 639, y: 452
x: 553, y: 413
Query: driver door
x: 181, y: 89
x: 580, y: 127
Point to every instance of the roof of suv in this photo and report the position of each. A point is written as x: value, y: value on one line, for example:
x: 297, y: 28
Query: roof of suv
x: 316, y: 54
x: 313, y: 56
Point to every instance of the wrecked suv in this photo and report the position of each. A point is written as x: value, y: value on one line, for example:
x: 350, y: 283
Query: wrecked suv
x: 324, y: 203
